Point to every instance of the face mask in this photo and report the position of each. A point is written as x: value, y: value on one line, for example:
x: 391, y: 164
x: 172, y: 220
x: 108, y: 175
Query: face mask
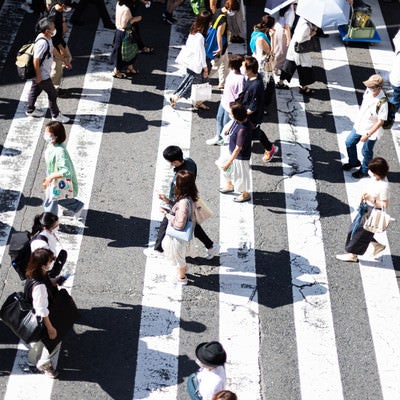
x: 231, y: 13
x: 54, y: 33
x: 243, y: 70
x: 55, y: 229
x: 47, y: 138
x: 370, y: 173
x: 67, y: 9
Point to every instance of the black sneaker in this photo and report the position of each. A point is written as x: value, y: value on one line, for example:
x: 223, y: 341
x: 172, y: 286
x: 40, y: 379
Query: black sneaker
x: 348, y: 167
x: 359, y: 174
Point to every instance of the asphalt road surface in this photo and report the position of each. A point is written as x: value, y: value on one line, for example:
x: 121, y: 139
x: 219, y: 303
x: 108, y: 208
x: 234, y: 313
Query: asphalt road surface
x: 295, y: 322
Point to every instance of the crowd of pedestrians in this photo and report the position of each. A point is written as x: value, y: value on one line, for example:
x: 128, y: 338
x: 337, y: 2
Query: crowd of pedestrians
x: 244, y: 81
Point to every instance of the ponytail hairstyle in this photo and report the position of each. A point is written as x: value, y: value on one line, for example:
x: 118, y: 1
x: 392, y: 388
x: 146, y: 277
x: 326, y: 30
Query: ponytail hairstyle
x: 44, y: 220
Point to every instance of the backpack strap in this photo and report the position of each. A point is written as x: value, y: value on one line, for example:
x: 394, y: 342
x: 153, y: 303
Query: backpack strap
x: 39, y: 236
x: 46, y: 53
x: 215, y: 25
x: 381, y: 101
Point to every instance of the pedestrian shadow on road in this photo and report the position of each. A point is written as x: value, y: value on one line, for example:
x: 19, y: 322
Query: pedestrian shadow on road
x: 309, y: 200
x: 121, y: 231
x: 103, y: 350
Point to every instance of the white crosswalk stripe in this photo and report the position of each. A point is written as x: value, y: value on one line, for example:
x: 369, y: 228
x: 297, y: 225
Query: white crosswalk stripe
x: 239, y: 315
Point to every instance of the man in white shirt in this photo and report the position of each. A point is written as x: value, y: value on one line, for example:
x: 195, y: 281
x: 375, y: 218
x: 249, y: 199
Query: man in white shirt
x: 368, y: 127
x: 394, y: 76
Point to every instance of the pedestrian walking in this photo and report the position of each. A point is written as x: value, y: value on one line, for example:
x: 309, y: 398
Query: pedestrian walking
x: 282, y: 36
x: 44, y: 235
x: 59, y: 165
x: 124, y: 22
x: 237, y: 167
x: 42, y: 62
x: 220, y: 61
x: 195, y: 61
x: 376, y: 194
x: 368, y: 127
x: 178, y: 217
x: 64, y: 57
x: 252, y: 99
x: 211, y: 377
x: 233, y: 87
x: 174, y: 155
x: 302, y: 62
x: 38, y: 289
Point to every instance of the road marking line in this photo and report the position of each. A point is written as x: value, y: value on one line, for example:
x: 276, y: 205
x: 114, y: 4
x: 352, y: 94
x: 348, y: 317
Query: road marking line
x: 316, y: 345
x: 238, y: 297
x: 83, y: 146
x: 378, y: 277
x: 158, y: 348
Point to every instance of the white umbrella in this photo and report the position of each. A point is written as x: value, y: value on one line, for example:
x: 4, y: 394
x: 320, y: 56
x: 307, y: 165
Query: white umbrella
x: 324, y: 13
x: 273, y: 6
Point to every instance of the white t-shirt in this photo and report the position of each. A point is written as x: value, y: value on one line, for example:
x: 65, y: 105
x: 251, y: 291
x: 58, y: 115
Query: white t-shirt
x: 379, y: 189
x: 39, y: 50
x: 211, y: 381
x: 52, y: 243
x: 367, y: 116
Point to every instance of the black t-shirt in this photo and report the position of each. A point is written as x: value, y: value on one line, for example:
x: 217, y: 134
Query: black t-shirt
x: 241, y: 135
x: 57, y: 17
x: 253, y: 99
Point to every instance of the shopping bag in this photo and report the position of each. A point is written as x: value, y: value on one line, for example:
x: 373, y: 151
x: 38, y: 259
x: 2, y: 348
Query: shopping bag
x: 129, y: 48
x: 201, y: 92
x: 61, y: 188
x: 201, y: 211
x: 378, y: 221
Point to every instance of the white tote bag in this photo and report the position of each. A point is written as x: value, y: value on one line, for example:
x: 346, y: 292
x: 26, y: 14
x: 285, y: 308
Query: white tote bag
x: 201, y: 92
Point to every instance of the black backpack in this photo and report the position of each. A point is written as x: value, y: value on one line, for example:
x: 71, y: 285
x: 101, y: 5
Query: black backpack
x: 391, y: 112
x: 20, y: 250
x: 24, y: 61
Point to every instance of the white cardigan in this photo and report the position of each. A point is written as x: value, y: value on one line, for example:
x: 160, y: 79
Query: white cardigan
x: 195, y: 45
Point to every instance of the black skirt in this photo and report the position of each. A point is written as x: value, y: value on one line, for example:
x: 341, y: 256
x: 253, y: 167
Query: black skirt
x: 306, y: 74
x: 360, y: 240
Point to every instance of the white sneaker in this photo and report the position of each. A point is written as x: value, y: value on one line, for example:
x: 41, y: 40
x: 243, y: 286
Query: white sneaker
x: 26, y: 8
x: 61, y: 118
x: 213, y: 252
x: 152, y: 253
x: 215, y: 141
x: 36, y: 113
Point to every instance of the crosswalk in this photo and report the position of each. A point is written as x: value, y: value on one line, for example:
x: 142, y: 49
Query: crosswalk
x: 331, y: 331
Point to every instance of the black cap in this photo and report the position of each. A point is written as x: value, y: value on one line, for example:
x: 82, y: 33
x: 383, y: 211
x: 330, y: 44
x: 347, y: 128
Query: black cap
x: 211, y: 354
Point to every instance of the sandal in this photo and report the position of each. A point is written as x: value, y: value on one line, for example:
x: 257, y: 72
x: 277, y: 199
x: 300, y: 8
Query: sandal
x: 172, y: 102
x: 282, y: 86
x: 131, y: 71
x: 119, y: 75
x: 241, y: 199
x: 147, y: 50
x: 182, y: 281
x: 201, y: 106
x: 226, y: 190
